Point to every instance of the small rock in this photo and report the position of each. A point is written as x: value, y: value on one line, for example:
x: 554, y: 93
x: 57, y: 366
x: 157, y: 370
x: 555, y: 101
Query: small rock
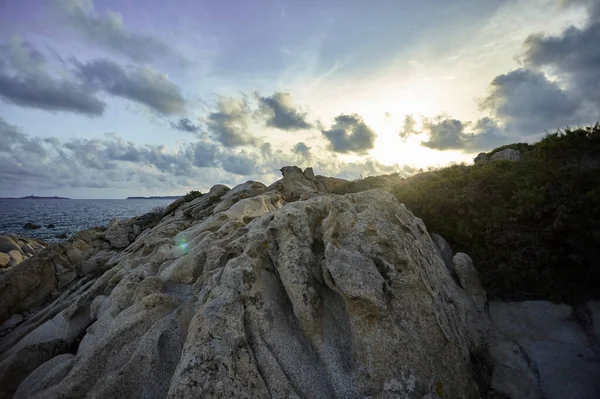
x: 4, y: 259
x: 8, y: 245
x: 16, y: 255
x: 31, y: 226
x: 113, y: 222
x: 50, y: 226
x: 106, y: 245
x: 131, y: 237
x: 62, y: 236
x: 28, y: 249
x: 137, y: 229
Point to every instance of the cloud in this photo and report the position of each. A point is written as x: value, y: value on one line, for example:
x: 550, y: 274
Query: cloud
x: 109, y: 162
x: 592, y: 6
x: 242, y: 163
x: 281, y: 113
x: 573, y: 57
x: 350, y: 134
x: 25, y: 80
x: 109, y: 31
x: 303, y: 151
x: 229, y: 125
x: 358, y: 169
x: 408, y: 127
x: 185, y: 125
x: 453, y: 134
x: 204, y: 154
x: 141, y: 84
x: 528, y: 103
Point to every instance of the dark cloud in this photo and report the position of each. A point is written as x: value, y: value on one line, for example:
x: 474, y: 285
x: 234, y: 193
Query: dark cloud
x: 229, y: 125
x: 408, y: 127
x: 204, y: 154
x: 108, y: 31
x: 280, y: 112
x: 528, y: 103
x: 349, y: 134
x: 185, y: 125
x: 573, y: 57
x: 447, y: 134
x: 25, y: 80
x: 241, y: 163
x: 303, y: 151
x: 141, y: 84
x: 452, y: 134
x: 13, y: 140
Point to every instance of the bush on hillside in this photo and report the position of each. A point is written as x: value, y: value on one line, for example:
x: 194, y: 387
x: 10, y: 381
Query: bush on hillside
x: 192, y: 195
x: 531, y: 227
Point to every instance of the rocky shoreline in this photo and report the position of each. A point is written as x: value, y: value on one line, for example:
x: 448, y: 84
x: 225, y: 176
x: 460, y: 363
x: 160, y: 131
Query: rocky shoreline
x: 282, y: 291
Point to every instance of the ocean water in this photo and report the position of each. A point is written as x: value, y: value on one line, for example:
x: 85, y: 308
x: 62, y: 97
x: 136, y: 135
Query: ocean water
x: 68, y: 216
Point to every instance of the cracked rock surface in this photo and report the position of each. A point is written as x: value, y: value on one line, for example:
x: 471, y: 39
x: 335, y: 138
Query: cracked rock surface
x: 241, y: 293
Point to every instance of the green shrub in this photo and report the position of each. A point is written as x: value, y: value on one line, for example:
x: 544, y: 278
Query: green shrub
x: 531, y: 227
x: 192, y: 195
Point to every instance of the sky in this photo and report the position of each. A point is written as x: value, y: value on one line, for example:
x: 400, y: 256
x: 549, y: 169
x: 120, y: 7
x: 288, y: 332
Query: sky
x: 115, y: 98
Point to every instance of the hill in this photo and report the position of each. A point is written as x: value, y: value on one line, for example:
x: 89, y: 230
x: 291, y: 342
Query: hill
x: 33, y: 197
x: 532, y: 227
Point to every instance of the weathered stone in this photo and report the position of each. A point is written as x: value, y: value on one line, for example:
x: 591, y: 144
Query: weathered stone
x: 9, y: 245
x: 117, y: 235
x: 4, y: 259
x: 296, y: 185
x: 444, y: 250
x: 74, y: 255
x: 540, y: 350
x: 335, y: 296
x: 28, y: 249
x: 96, y: 262
x: 481, y: 158
x: 16, y: 255
x: 137, y: 229
x: 26, y: 285
x: 12, y: 322
x: 507, y: 154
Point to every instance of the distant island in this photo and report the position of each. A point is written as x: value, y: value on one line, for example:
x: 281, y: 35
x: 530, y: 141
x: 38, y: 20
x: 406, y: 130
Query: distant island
x: 174, y: 197
x: 34, y: 197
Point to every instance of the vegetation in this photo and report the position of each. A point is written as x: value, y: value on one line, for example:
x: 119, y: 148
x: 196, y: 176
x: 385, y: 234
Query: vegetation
x: 531, y: 227
x: 152, y: 218
x: 192, y: 195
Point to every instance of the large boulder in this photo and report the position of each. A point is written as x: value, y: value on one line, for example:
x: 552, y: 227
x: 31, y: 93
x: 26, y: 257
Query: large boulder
x: 117, y: 234
x: 333, y: 296
x: 507, y: 154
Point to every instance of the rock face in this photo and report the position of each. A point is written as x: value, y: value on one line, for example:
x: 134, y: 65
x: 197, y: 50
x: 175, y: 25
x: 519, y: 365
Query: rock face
x: 543, y: 350
x: 299, y: 185
x: 285, y: 291
x: 507, y: 154
x: 240, y: 294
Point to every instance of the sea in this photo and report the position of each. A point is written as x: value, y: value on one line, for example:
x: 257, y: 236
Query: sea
x: 68, y: 215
